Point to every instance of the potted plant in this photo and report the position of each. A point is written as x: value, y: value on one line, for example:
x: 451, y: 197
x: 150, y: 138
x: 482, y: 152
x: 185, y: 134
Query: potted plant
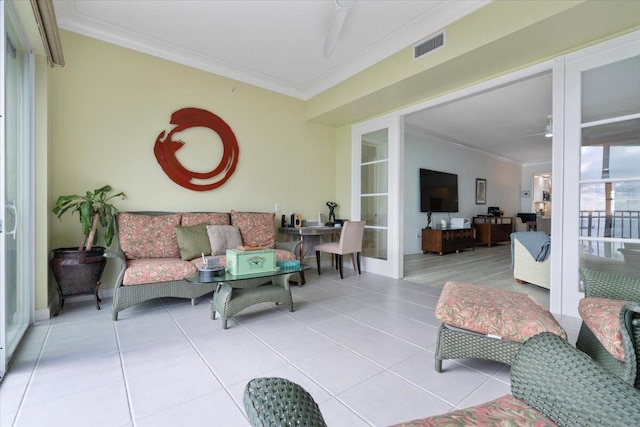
x: 78, y: 270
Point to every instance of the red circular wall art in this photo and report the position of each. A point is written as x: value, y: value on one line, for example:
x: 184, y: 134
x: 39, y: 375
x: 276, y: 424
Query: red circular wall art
x: 165, y: 150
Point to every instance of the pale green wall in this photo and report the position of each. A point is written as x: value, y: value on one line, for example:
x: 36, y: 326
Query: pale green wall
x: 108, y: 105
x: 343, y: 172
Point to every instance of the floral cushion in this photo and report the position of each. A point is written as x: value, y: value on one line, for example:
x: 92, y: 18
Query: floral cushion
x: 195, y: 218
x: 284, y: 255
x: 255, y: 227
x: 153, y: 270
x: 602, y: 317
x: 504, y: 411
x: 146, y: 236
x: 510, y: 315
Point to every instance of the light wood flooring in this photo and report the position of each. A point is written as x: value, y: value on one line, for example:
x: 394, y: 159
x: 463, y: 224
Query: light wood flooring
x: 486, y: 266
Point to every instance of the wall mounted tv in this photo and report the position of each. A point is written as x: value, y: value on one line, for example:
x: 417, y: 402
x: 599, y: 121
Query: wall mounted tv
x: 438, y: 191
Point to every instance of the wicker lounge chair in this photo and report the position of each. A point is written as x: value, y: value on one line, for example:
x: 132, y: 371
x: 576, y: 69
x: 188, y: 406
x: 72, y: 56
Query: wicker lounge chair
x: 550, y: 382
x: 612, y: 307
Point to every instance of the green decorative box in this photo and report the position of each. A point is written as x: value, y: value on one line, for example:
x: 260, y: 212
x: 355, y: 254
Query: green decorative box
x: 250, y: 262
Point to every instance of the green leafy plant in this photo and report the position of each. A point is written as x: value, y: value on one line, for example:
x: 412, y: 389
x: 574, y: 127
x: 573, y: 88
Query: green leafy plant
x: 93, y: 208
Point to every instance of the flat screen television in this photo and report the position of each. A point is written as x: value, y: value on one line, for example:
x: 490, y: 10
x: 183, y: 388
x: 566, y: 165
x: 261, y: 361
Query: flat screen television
x: 438, y: 191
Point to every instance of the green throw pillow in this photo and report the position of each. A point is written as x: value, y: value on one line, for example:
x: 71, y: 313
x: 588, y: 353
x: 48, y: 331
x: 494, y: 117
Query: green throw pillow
x: 193, y: 241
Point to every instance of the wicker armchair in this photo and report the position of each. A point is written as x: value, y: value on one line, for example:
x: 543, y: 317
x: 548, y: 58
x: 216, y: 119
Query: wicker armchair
x: 550, y: 381
x: 601, y: 286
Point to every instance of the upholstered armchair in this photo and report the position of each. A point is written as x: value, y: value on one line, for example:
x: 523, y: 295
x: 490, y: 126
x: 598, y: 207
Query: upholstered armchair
x: 350, y: 243
x: 610, y: 331
x: 525, y: 267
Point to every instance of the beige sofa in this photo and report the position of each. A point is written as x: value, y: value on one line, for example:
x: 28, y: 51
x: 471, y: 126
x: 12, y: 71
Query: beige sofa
x: 157, y: 251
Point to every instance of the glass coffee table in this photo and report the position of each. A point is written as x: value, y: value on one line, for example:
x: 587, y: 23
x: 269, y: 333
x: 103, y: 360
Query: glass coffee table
x: 234, y: 293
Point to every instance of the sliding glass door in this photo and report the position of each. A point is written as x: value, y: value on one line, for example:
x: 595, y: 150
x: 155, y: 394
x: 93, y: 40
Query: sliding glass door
x: 16, y: 192
x: 603, y: 154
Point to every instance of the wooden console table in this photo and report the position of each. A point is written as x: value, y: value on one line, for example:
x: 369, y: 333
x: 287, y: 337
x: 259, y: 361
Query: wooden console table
x: 493, y: 229
x: 443, y: 240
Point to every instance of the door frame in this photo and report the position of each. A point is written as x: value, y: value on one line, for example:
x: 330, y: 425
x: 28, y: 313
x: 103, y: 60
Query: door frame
x: 574, y: 63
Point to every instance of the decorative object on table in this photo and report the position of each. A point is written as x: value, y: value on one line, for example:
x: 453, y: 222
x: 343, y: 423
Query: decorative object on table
x: 78, y: 270
x: 428, y: 219
x: 481, y: 191
x: 210, y: 270
x: 247, y: 262
x: 332, y: 215
x: 165, y: 150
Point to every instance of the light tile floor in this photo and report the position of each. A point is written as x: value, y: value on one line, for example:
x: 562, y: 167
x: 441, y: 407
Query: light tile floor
x: 362, y: 346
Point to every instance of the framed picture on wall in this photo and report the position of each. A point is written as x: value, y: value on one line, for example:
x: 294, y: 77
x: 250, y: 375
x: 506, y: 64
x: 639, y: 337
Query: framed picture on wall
x: 481, y: 191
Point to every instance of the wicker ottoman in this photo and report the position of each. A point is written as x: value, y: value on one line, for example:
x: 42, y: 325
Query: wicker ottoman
x: 487, y: 323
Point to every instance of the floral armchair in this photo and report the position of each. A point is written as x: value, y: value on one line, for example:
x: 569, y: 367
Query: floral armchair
x: 610, y: 331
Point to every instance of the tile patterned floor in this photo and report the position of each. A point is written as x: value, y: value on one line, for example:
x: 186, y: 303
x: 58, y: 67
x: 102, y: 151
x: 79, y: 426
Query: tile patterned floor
x: 362, y: 346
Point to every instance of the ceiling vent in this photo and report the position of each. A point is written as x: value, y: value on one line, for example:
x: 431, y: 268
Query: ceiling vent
x: 429, y: 45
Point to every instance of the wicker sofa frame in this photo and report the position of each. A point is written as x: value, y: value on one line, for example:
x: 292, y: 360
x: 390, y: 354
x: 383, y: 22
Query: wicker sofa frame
x: 556, y: 379
x: 130, y: 295
x: 609, y: 285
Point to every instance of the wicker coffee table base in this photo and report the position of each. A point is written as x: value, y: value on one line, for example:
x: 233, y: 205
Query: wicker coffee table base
x: 231, y: 298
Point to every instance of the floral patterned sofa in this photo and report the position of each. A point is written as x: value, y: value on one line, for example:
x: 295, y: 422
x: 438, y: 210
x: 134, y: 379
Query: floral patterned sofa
x: 157, y: 251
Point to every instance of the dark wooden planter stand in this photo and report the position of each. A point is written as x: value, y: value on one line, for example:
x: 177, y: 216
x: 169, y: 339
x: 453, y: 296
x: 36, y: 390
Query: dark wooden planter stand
x: 77, y: 273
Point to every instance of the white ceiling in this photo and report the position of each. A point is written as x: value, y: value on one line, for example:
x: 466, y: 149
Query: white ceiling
x: 277, y: 45
x: 274, y: 44
x: 500, y: 121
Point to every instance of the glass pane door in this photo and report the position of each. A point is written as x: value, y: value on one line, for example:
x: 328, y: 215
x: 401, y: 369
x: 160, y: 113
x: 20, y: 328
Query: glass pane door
x: 376, y: 148
x: 15, y: 155
x: 609, y: 171
x: 374, y: 167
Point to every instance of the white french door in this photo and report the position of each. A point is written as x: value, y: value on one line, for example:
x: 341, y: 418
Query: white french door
x: 16, y: 188
x: 376, y: 193
x: 601, y: 214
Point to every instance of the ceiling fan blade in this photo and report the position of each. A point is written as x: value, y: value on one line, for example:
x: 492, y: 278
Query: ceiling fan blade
x: 335, y: 26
